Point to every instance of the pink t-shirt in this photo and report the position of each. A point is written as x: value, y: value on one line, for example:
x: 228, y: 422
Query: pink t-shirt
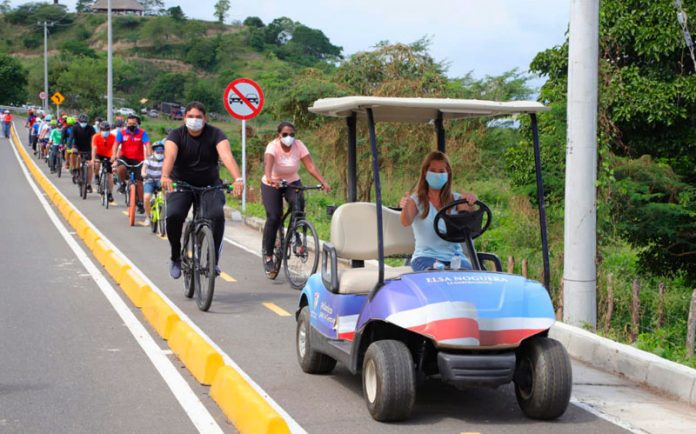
x: 287, y: 164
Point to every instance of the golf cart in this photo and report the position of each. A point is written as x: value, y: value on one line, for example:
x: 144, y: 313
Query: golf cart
x: 478, y: 327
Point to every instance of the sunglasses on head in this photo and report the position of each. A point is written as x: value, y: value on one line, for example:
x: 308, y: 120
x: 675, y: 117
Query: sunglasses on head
x: 288, y: 134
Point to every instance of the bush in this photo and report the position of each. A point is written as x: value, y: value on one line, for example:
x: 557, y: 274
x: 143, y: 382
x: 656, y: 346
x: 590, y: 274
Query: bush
x: 32, y: 40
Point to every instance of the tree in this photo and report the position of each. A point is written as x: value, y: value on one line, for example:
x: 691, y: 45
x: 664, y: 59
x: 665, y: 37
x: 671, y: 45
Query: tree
x: 77, y: 48
x: 647, y: 111
x: 158, y: 30
x: 152, y: 7
x: 176, y: 13
x: 310, y: 45
x: 253, y: 22
x: 222, y: 8
x: 168, y: 87
x: 11, y: 71
x: 83, y: 6
x: 5, y: 6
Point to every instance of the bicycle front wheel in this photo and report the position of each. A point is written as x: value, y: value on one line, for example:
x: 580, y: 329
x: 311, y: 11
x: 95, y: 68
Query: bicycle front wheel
x: 277, y: 254
x: 301, y: 253
x: 59, y: 164
x: 83, y: 177
x: 131, y: 204
x: 207, y: 259
x: 154, y: 214
x: 187, y: 261
x: 163, y: 219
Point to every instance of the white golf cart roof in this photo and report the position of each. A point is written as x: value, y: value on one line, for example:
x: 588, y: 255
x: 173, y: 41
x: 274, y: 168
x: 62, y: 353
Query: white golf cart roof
x: 392, y: 109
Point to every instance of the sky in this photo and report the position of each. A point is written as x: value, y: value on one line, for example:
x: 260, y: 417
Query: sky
x: 487, y: 37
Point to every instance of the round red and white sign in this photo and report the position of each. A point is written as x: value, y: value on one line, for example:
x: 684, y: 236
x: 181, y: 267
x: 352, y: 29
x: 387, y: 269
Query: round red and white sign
x: 243, y: 99
x: 43, y: 95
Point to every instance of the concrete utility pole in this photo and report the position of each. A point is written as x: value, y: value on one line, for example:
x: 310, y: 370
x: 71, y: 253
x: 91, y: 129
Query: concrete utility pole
x: 580, y: 271
x: 110, y: 70
x: 45, y: 101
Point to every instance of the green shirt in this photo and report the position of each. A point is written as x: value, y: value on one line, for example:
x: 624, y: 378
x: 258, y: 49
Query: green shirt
x: 55, y: 136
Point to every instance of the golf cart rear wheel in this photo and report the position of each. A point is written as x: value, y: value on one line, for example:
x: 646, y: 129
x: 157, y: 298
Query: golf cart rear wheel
x: 389, y: 380
x: 543, y: 378
x: 310, y: 361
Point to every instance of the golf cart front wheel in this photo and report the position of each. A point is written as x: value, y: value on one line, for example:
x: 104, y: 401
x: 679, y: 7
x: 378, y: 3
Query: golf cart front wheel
x: 543, y: 378
x: 389, y: 380
x: 310, y: 361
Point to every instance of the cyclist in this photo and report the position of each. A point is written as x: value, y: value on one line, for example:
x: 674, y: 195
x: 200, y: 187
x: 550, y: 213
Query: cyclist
x: 134, y: 144
x: 152, y: 174
x: 118, y: 125
x: 31, y: 120
x: 44, y: 132
x: 6, y: 122
x: 81, y: 136
x: 55, y: 139
x: 34, y: 133
x: 191, y: 155
x: 102, y: 149
x: 282, y: 162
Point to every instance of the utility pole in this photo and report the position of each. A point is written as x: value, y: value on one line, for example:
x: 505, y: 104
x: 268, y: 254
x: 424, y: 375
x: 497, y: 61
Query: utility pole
x: 45, y: 25
x: 580, y: 230
x: 110, y: 70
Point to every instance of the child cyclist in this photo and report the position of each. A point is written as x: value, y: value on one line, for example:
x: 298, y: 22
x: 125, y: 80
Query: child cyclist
x: 102, y: 147
x: 152, y: 172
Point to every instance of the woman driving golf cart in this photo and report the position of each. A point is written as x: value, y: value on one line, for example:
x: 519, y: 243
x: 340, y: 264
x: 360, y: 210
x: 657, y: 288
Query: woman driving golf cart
x: 433, y: 191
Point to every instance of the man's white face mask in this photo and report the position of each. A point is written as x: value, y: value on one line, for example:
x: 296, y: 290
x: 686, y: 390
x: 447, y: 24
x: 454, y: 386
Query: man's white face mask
x: 194, y: 124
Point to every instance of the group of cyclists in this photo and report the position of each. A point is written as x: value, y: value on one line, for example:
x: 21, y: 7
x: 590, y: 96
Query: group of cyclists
x: 75, y: 140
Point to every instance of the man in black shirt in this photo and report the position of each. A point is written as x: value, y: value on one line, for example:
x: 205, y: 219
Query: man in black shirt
x: 191, y: 155
x: 81, y: 138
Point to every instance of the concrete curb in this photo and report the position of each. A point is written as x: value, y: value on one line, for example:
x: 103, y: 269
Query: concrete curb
x: 645, y: 368
x: 246, y: 408
x: 669, y: 378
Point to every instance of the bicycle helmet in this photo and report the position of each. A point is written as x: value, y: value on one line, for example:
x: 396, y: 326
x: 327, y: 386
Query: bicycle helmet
x: 54, y: 123
x: 118, y: 123
x: 49, y: 118
x: 104, y: 126
x: 83, y: 119
x: 70, y: 121
x: 158, y: 144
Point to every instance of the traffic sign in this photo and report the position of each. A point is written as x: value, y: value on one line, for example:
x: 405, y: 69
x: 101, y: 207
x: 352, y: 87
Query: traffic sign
x: 57, y: 98
x: 243, y: 99
x: 43, y: 95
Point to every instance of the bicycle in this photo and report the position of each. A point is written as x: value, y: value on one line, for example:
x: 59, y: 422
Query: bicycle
x: 131, y: 189
x: 198, y: 254
x: 292, y: 249
x: 103, y: 183
x: 82, y: 172
x: 56, y: 161
x: 158, y: 213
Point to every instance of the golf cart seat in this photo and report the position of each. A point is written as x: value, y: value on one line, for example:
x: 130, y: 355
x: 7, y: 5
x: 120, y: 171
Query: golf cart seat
x: 354, y: 236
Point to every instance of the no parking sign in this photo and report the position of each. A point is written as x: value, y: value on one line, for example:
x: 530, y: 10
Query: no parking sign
x: 243, y: 99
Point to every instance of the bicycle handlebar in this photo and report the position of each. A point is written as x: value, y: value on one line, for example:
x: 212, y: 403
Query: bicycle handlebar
x: 285, y: 184
x: 130, y: 166
x: 178, y: 185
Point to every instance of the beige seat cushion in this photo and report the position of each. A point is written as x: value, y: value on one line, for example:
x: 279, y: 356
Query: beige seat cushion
x: 362, y: 280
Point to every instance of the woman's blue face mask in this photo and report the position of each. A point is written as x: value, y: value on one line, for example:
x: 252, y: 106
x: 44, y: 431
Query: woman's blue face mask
x: 436, y: 180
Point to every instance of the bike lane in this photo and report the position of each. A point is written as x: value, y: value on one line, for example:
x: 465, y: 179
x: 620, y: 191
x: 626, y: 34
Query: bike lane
x: 262, y: 343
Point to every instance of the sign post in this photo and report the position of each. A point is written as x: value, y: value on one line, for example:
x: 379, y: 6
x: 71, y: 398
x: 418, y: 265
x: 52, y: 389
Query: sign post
x: 243, y: 99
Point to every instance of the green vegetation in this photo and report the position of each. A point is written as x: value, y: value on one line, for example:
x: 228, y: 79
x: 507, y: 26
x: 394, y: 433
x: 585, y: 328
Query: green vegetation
x: 647, y: 172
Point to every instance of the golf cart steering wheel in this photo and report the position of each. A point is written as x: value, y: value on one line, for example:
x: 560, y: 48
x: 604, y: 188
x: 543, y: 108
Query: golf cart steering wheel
x: 464, y: 224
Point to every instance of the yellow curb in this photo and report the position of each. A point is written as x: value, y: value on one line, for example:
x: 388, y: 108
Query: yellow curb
x: 75, y: 220
x: 115, y: 265
x: 135, y: 287
x: 244, y: 406
x: 91, y: 236
x: 160, y: 315
x: 101, y: 251
x: 180, y: 339
x: 202, y: 360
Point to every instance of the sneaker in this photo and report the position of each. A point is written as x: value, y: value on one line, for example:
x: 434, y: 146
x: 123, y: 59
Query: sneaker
x: 110, y: 198
x: 146, y: 222
x: 218, y: 270
x: 269, y: 266
x: 141, y: 208
x: 175, y: 269
x: 122, y: 188
x: 89, y: 188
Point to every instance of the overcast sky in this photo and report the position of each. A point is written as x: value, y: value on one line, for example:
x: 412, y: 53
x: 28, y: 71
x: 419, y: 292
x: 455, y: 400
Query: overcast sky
x: 487, y: 37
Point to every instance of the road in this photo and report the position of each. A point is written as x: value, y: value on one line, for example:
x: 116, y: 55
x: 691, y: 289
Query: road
x: 72, y: 366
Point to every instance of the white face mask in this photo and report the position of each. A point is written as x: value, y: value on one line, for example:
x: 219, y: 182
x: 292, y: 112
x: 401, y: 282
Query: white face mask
x: 83, y: 124
x: 287, y: 140
x: 194, y: 124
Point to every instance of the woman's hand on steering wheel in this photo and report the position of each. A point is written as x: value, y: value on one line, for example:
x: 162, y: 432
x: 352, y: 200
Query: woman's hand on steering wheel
x: 471, y: 198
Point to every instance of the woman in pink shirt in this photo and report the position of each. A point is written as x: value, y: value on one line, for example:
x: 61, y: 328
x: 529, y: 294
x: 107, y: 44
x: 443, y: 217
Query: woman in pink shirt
x: 282, y: 163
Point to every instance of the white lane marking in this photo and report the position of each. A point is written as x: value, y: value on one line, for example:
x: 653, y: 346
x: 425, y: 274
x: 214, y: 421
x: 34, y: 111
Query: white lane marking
x: 243, y: 247
x: 611, y: 419
x: 194, y: 408
x: 292, y: 423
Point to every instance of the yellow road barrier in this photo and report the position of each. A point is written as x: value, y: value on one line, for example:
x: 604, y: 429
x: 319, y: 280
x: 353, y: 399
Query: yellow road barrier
x: 202, y: 360
x: 159, y: 314
x: 135, y: 287
x: 115, y: 265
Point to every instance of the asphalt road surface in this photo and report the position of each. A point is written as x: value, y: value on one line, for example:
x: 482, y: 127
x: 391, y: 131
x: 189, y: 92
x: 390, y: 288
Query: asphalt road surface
x: 70, y: 365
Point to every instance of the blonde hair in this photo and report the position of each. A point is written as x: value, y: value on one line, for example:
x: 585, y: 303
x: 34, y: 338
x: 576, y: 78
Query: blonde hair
x: 422, y: 186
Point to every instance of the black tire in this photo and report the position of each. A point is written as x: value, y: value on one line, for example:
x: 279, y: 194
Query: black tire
x: 154, y: 223
x: 543, y: 378
x: 187, y: 260
x: 301, y: 261
x: 59, y: 164
x: 389, y: 380
x: 163, y: 220
x: 310, y: 361
x: 207, y: 258
x: 277, y: 254
x: 83, y: 181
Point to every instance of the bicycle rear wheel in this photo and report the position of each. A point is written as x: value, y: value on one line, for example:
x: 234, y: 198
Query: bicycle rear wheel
x: 277, y: 254
x: 83, y: 180
x: 301, y: 253
x: 187, y: 261
x: 154, y: 214
x: 207, y: 258
x: 131, y: 204
x: 59, y: 163
x: 163, y: 219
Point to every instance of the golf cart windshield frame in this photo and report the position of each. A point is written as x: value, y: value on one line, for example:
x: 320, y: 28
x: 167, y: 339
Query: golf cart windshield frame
x: 426, y: 110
